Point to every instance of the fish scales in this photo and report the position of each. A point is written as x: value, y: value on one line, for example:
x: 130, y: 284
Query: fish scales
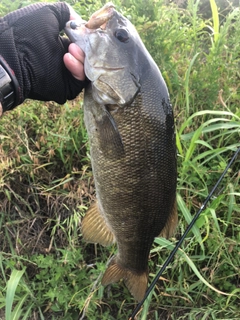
x: 133, y: 153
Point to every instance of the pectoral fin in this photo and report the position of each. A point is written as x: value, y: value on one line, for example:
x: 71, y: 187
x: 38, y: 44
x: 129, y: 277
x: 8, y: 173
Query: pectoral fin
x: 110, y: 138
x: 95, y: 229
x: 135, y: 282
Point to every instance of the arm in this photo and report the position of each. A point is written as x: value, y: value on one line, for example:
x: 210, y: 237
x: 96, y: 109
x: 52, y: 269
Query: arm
x: 36, y: 57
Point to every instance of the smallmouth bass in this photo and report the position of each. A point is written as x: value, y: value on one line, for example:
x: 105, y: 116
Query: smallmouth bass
x: 130, y: 124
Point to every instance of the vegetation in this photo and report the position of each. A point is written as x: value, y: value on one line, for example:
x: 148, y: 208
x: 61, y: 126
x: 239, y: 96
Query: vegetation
x: 46, y: 184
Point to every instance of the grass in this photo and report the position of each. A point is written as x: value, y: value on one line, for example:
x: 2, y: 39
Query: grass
x: 46, y: 185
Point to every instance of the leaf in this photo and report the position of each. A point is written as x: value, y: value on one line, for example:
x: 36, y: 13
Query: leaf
x: 187, y: 122
x: 200, y: 277
x: 11, y: 288
x: 181, y: 253
x: 188, y: 217
x: 187, y: 76
x: 18, y: 308
x: 215, y: 18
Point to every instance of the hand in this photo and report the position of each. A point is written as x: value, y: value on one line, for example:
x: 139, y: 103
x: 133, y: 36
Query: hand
x: 74, y: 59
x: 38, y: 55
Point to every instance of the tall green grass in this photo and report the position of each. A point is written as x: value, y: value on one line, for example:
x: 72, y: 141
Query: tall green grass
x: 46, y: 184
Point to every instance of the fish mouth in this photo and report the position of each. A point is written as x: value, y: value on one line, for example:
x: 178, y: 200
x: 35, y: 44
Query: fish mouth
x: 108, y: 68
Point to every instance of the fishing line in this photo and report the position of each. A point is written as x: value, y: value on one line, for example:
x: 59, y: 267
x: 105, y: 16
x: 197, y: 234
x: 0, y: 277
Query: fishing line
x: 169, y: 259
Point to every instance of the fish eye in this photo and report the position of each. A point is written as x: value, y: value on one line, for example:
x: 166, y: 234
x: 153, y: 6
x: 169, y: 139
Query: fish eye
x: 73, y: 25
x: 122, y: 35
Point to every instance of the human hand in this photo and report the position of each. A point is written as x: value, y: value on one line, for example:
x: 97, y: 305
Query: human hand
x: 39, y: 56
x: 74, y: 59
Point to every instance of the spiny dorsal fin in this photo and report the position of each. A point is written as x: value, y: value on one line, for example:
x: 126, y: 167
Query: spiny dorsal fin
x: 171, y: 223
x: 135, y: 282
x: 95, y: 229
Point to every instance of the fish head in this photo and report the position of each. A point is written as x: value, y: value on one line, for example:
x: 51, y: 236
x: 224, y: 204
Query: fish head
x: 111, y: 45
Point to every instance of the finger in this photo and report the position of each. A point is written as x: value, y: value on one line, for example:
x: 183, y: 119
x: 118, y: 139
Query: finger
x: 76, y: 52
x: 74, y: 66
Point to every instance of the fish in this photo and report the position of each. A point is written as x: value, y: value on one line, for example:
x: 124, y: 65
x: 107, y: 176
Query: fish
x: 130, y: 126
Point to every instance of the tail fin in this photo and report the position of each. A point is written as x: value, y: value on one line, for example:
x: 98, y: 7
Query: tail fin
x: 135, y: 282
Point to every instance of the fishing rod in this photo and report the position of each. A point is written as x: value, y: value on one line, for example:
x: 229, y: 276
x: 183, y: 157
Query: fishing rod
x: 179, y: 243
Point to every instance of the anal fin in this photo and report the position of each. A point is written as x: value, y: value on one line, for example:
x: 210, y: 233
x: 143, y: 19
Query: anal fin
x: 135, y: 282
x: 95, y: 229
x: 171, y: 223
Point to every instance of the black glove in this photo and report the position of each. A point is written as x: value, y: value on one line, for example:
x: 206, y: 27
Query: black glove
x: 32, y: 47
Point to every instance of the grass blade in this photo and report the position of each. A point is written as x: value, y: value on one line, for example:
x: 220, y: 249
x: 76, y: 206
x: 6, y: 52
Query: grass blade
x: 18, y: 308
x: 215, y: 18
x: 11, y: 288
x: 146, y: 306
x: 200, y: 277
x: 166, y: 243
x: 187, y: 77
x: 188, y: 217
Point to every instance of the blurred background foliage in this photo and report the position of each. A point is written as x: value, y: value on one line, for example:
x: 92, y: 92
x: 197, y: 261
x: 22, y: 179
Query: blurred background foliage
x: 46, y: 184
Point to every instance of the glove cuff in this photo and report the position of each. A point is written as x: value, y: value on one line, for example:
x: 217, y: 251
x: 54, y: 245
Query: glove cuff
x: 9, y: 87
